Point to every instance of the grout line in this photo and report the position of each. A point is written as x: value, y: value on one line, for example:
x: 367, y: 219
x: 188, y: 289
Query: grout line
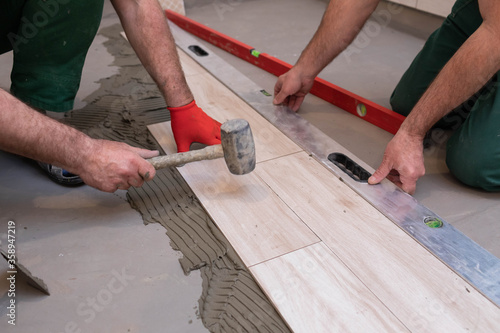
x: 281, y: 156
x: 286, y: 253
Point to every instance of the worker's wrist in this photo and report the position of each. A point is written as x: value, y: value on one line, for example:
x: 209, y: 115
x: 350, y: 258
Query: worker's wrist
x: 304, y: 71
x: 307, y: 67
x: 177, y: 93
x: 84, y: 153
x: 412, y: 132
x: 182, y: 107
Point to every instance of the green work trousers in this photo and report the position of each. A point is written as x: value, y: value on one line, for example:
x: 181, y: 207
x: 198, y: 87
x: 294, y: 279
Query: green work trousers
x: 473, y: 150
x: 50, y: 40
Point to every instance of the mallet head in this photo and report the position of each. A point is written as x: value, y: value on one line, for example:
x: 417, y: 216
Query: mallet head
x: 238, y: 146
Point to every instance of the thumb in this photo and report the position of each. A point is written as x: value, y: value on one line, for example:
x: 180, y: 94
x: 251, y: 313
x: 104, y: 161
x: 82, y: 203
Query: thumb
x: 379, y: 174
x: 145, y: 153
x: 280, y: 97
x: 147, y: 171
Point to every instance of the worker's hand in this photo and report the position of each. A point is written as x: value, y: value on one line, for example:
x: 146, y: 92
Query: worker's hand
x: 291, y: 88
x: 191, y: 124
x: 111, y: 165
x: 403, y: 162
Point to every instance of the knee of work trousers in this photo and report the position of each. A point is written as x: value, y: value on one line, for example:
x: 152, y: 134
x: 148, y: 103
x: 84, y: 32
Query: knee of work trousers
x: 437, y: 51
x: 50, y: 46
x: 473, y: 151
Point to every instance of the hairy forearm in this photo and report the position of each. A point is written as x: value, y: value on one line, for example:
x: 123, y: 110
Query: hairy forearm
x: 149, y: 34
x: 341, y: 22
x: 467, y: 72
x: 26, y: 132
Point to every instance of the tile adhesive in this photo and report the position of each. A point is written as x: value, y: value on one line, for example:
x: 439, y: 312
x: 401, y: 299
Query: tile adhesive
x: 120, y: 110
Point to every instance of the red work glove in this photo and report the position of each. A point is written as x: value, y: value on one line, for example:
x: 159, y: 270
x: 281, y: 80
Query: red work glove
x: 190, y: 124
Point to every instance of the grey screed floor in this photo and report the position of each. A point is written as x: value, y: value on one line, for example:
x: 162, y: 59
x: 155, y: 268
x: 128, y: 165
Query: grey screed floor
x: 83, y: 242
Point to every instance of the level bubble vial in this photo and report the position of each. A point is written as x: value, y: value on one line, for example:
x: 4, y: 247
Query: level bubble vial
x: 361, y: 109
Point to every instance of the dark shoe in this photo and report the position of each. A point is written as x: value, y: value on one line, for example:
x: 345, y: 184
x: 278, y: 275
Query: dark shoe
x: 61, y: 176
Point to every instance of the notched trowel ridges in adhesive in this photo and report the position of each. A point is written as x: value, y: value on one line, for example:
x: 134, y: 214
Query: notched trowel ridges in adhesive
x: 113, y: 119
x: 220, y: 310
x: 167, y: 200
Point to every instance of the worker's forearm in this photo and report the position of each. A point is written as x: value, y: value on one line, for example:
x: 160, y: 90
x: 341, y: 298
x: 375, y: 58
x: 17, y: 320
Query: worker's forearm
x: 467, y: 72
x: 26, y: 132
x: 342, y: 21
x: 149, y: 35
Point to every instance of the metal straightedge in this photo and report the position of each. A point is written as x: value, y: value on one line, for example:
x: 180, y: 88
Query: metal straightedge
x: 460, y: 253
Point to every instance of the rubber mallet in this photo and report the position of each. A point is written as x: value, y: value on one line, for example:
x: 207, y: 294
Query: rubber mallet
x: 237, y: 147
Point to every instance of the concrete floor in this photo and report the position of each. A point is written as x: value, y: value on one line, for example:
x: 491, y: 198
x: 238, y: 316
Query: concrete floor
x: 79, y: 240
x: 105, y: 270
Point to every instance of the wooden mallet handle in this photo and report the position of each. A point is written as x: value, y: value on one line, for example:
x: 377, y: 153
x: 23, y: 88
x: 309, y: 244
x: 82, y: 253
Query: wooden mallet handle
x: 207, y: 153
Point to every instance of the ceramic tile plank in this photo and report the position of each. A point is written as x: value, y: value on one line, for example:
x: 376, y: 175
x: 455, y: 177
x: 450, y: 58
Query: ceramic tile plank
x: 253, y: 218
x: 315, y: 292
x: 419, y: 289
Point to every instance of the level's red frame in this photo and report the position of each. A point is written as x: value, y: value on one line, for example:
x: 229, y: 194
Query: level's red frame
x: 373, y: 113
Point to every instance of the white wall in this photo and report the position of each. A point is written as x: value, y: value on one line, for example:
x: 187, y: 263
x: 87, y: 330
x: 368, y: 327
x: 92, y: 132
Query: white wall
x: 437, y: 7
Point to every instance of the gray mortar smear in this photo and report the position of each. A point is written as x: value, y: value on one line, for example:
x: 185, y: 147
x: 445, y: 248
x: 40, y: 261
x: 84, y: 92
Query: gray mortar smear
x: 120, y: 110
